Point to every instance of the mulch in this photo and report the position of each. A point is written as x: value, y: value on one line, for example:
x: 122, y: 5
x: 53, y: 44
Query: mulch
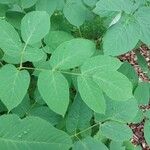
x: 138, y: 134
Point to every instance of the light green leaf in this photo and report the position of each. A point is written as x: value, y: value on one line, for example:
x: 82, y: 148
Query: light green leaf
x: 34, y: 26
x: 30, y: 54
x: 31, y: 133
x: 14, y: 18
x: 23, y: 107
x: 122, y: 111
x: 7, y: 1
x: 11, y: 60
x: 114, y: 84
x: 146, y: 131
x: 143, y: 18
x: 33, y: 54
x: 27, y: 3
x: 118, y: 39
x: 90, y: 3
x: 113, y: 5
x: 142, y: 93
x: 89, y: 144
x: 79, y: 116
x: 91, y: 94
x: 41, y: 64
x: 9, y: 38
x: 75, y: 13
x: 142, y: 62
x: 14, y: 85
x: 128, y: 70
x: 55, y: 38
x: 47, y: 5
x: 54, y: 90
x: 130, y: 146
x: 45, y: 113
x: 116, y: 146
x: 116, y: 131
x: 100, y: 63
x: 3, y: 10
x: 72, y: 53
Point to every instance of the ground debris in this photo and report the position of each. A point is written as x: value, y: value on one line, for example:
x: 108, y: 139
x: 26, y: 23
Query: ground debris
x: 138, y: 133
x: 132, y: 59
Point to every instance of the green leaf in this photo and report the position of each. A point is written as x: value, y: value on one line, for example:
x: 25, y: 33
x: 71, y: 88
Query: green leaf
x: 116, y: 146
x: 122, y: 111
x: 3, y: 10
x: 11, y: 60
x: 113, y: 5
x: 30, y: 54
x: 14, y: 18
x: 128, y: 70
x: 100, y: 63
x: 27, y: 3
x: 33, y: 54
x: 41, y: 64
x: 34, y: 26
x: 22, y: 109
x: 79, y: 116
x: 146, y: 131
x: 31, y: 133
x: 9, y: 38
x: 7, y: 1
x: 72, y: 53
x: 116, y: 131
x: 54, y: 90
x: 114, y: 84
x: 142, y: 62
x: 90, y: 3
x: 38, y: 98
x: 142, y: 93
x: 14, y: 85
x: 130, y: 146
x: 75, y: 13
x: 55, y: 38
x: 46, y: 114
x: 91, y: 94
x: 143, y: 18
x: 89, y: 144
x: 118, y: 39
x: 47, y: 5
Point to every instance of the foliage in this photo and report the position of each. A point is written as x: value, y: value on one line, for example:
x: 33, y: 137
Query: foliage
x: 61, y: 85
